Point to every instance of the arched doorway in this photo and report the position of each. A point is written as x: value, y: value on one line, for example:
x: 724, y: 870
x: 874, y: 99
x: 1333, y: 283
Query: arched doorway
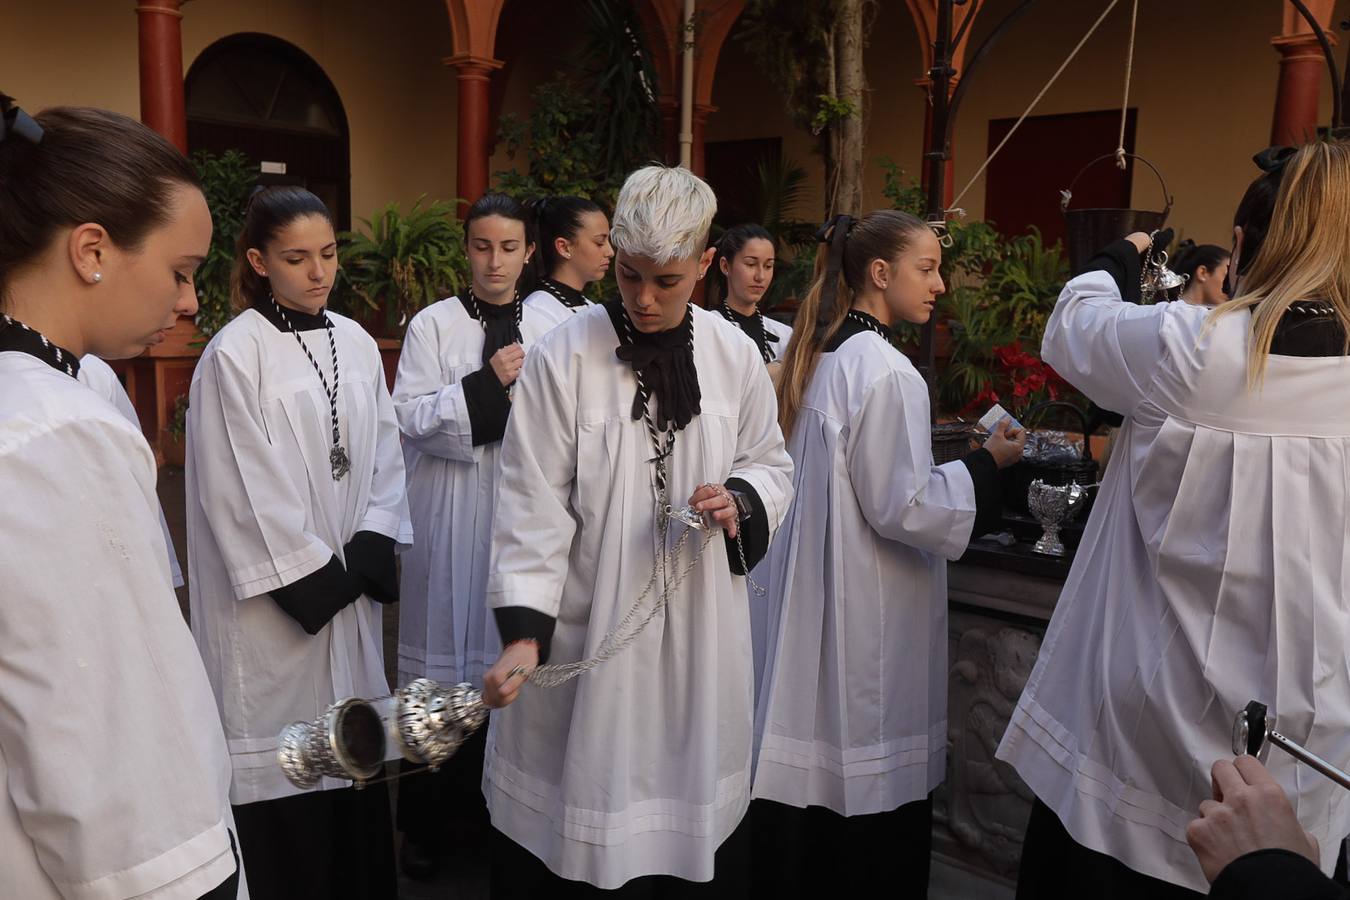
x: 266, y: 97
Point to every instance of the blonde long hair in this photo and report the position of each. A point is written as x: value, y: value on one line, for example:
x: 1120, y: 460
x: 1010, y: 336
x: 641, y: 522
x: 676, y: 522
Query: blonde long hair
x: 848, y: 247
x: 1306, y: 252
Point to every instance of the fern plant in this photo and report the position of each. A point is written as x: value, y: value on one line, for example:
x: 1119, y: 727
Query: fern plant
x: 404, y: 263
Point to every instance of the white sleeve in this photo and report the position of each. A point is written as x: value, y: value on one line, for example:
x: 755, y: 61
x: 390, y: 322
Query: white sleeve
x: 387, y: 511
x: 889, y: 455
x: 113, y: 391
x: 433, y: 415
x: 255, y: 512
x: 762, y: 460
x: 533, y: 527
x: 114, y: 752
x: 1106, y: 348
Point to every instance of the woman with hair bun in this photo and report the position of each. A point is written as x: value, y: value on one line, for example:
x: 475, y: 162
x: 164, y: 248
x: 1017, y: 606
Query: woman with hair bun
x: 1204, y: 266
x: 571, y: 235
x: 114, y: 765
x: 295, y: 508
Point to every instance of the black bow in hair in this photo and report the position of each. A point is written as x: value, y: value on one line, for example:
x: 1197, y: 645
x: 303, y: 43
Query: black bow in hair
x: 17, y: 123
x: 835, y: 233
x: 1274, y: 159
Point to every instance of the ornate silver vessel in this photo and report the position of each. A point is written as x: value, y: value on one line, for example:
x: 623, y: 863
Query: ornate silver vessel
x: 1052, y: 505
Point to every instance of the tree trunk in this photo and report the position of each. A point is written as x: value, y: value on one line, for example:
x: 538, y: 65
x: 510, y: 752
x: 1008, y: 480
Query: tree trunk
x: 847, y: 133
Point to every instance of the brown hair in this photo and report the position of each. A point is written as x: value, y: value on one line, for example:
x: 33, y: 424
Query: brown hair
x: 847, y: 250
x: 87, y: 165
x: 1306, y: 251
x: 269, y: 211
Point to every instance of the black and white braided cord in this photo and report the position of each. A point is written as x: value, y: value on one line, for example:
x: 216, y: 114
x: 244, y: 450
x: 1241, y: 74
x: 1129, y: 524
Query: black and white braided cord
x: 61, y: 359
x: 330, y: 390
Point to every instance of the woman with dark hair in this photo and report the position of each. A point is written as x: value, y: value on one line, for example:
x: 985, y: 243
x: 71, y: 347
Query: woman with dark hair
x: 572, y: 236
x: 742, y: 272
x: 851, y: 717
x: 1212, y: 568
x: 113, y: 761
x: 1204, y: 266
x: 295, y: 506
x: 460, y: 359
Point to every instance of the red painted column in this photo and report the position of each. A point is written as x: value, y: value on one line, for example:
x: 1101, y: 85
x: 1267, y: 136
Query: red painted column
x: 698, y: 155
x: 475, y: 126
x: 1296, y: 99
x: 160, y: 39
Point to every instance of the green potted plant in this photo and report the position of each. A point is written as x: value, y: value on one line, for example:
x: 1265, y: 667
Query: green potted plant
x: 174, y: 448
x: 227, y: 182
x: 401, y: 263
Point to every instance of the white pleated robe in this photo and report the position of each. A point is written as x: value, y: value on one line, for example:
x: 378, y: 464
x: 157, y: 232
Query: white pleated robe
x: 642, y: 765
x: 99, y: 377
x: 445, y: 630
x: 1214, y: 570
x: 549, y: 308
x: 113, y: 764
x: 852, y: 703
x: 264, y: 511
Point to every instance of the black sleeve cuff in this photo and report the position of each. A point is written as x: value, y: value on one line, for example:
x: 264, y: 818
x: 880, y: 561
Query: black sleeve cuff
x: 1275, y: 873
x: 988, y: 491
x: 1123, y: 262
x: 520, y: 623
x: 370, y: 558
x: 229, y: 888
x: 489, y: 405
x: 754, y: 530
x: 315, y: 599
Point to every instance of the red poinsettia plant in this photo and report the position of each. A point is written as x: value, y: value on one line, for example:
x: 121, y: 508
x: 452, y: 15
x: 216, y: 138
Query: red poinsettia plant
x: 1019, y: 380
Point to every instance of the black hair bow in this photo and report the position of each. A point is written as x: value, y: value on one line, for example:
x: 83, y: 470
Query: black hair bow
x: 835, y: 233
x: 1274, y: 159
x: 17, y: 123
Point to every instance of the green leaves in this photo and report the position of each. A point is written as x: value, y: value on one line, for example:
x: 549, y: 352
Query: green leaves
x: 404, y: 263
x: 227, y: 181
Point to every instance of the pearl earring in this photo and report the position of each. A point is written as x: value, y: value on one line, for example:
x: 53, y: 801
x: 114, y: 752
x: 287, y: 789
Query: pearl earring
x: 98, y: 276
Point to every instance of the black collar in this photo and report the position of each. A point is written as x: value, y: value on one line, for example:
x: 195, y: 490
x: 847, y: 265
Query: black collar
x: 753, y: 326
x: 855, y: 323
x: 302, y: 321
x: 14, y: 335
x: 565, y: 294
x: 664, y: 364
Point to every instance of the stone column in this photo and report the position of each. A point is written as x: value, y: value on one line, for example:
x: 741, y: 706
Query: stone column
x: 160, y: 39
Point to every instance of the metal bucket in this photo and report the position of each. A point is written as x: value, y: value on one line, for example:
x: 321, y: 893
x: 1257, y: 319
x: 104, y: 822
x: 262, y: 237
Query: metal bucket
x: 1089, y: 230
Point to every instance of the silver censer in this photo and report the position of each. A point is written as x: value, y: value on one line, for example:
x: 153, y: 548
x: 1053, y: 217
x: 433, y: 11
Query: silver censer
x: 425, y: 721
x: 1052, y: 505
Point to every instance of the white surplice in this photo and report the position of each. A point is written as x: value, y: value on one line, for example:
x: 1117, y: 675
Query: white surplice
x: 642, y: 765
x: 782, y: 332
x: 264, y: 511
x: 112, y: 760
x: 852, y: 705
x: 1214, y: 570
x: 99, y: 377
x: 550, y: 308
x: 445, y: 631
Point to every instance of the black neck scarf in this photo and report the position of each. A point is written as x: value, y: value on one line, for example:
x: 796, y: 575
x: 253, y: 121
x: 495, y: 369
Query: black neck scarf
x: 856, y: 322
x: 565, y: 294
x: 752, y: 325
x: 664, y: 363
x: 501, y: 322
x: 14, y: 335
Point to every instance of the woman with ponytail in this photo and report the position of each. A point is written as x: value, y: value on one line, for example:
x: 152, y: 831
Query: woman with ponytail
x: 295, y: 511
x: 453, y: 396
x: 852, y: 703
x: 1204, y: 266
x: 741, y: 274
x: 572, y: 236
x: 1213, y: 568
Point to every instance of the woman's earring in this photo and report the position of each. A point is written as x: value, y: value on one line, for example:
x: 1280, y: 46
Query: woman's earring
x: 97, y: 277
